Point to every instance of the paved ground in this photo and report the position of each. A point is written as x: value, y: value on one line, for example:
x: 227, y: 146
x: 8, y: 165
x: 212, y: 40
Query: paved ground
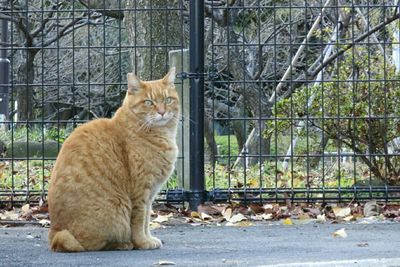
x: 261, y: 245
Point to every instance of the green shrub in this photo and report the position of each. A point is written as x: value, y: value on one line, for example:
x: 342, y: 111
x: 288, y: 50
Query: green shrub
x: 358, y: 108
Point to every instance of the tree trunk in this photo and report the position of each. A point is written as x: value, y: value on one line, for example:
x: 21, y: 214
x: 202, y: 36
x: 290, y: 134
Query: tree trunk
x: 211, y: 149
x: 25, y: 78
x: 153, y: 30
x: 314, y: 162
x: 255, y: 100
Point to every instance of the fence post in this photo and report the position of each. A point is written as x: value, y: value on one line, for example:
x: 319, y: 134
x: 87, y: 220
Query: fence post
x: 4, y: 73
x: 196, y: 48
x: 180, y: 60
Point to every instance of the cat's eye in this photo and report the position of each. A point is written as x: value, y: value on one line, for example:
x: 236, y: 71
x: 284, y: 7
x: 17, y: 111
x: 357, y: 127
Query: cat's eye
x: 168, y: 100
x: 148, y: 102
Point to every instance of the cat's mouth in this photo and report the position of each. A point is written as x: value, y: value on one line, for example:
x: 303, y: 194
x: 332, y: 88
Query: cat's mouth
x: 161, y: 120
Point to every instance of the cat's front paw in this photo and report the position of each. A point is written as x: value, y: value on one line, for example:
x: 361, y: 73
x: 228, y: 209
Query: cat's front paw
x: 148, y: 243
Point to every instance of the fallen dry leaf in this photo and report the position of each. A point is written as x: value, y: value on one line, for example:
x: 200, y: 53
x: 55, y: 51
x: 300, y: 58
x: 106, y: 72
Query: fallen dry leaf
x: 268, y: 216
x: 287, y: 221
x: 341, y: 212
x: 205, y: 216
x: 304, y: 216
x: 193, y: 220
x: 321, y: 218
x: 162, y: 218
x: 340, y: 233
x: 240, y: 224
x: 154, y: 225
x: 195, y: 214
x: 349, y: 218
x: 268, y: 207
x: 256, y: 208
x: 237, y: 218
x: 211, y: 210
x: 227, y: 213
x: 9, y: 215
x: 44, y: 223
x: 243, y: 209
x: 256, y: 217
x: 162, y: 262
x: 25, y: 208
x: 313, y: 211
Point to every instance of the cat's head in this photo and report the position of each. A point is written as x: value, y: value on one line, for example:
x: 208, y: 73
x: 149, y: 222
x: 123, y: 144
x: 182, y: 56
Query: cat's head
x: 155, y: 103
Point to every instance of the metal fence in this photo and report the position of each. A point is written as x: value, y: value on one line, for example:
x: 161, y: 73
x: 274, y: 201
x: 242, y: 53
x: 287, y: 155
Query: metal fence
x: 282, y: 100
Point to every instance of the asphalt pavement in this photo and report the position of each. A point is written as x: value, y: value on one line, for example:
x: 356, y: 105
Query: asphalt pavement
x: 311, y: 244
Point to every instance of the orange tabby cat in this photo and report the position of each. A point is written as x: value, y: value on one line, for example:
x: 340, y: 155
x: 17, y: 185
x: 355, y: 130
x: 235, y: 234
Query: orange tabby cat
x: 109, y: 171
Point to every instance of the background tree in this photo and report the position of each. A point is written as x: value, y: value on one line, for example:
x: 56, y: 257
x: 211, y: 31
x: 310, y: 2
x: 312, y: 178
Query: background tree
x: 33, y: 31
x: 154, y: 27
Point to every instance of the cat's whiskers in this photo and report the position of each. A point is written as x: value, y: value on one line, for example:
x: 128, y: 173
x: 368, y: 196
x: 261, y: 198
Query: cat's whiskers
x: 177, y: 120
x: 146, y: 124
x: 183, y: 118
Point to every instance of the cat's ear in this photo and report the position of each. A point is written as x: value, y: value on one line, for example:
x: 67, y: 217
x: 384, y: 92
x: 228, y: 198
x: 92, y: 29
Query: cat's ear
x: 170, y: 77
x: 134, y: 84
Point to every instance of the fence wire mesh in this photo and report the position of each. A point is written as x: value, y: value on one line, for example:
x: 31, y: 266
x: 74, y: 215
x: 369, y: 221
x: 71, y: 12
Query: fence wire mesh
x: 302, y: 98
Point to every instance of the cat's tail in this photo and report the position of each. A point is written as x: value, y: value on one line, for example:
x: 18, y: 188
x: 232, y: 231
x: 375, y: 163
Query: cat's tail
x: 64, y: 241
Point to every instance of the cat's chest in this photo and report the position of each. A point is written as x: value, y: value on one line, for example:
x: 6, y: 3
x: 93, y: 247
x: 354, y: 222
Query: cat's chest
x: 155, y: 160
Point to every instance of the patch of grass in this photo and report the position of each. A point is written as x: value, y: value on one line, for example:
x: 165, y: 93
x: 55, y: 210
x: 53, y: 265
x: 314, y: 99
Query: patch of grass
x: 270, y: 175
x: 33, y: 134
x: 227, y: 148
x: 25, y: 175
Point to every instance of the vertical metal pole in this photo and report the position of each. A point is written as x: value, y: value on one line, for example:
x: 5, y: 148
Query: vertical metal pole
x: 4, y: 73
x: 196, y: 47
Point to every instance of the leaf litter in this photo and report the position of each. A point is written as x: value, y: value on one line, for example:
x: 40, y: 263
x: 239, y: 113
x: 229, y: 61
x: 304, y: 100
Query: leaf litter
x: 27, y: 214
x: 234, y: 214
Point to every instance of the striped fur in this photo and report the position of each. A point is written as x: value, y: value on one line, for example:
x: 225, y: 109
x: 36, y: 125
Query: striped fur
x: 109, y: 171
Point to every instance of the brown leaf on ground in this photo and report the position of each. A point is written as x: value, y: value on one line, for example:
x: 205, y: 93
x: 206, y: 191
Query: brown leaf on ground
x: 313, y: 212
x: 242, y: 209
x: 26, y: 212
x: 256, y: 208
x: 164, y: 209
x: 209, y: 209
x: 392, y: 211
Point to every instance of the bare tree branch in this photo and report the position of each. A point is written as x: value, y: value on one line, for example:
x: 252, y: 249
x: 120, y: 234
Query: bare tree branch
x: 348, y: 46
x: 73, y: 25
x: 109, y: 8
x: 44, y: 22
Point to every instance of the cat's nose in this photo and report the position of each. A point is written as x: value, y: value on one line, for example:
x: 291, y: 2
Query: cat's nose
x: 161, y: 112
